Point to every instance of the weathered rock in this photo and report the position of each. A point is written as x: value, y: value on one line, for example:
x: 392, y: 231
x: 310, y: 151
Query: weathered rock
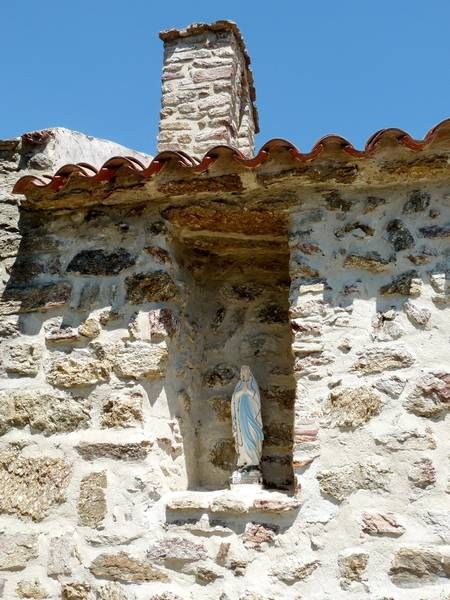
x: 115, y: 536
x: 272, y: 313
x: 385, y: 326
x: 23, y: 359
x: 16, y: 550
x: 414, y: 566
x: 123, y: 408
x: 295, y: 570
x: 188, y: 502
x: 122, y: 567
x: 278, y: 433
x: 90, y: 328
x: 31, y: 486
x: 79, y: 368
x: 335, y: 202
x: 150, y: 287
x: 352, y: 407
x: 371, y: 261
x: 377, y: 360
x: 341, y: 482
x: 397, y: 440
x: 99, y: 262
x: 422, y: 473
x: 76, y: 591
x: 31, y: 589
x: 417, y: 201
x: 46, y: 412
x: 113, y: 591
x: 61, y: 557
x: 417, y: 315
x: 219, y: 375
x: 381, y: 524
x: 422, y: 257
x: 38, y: 298
x: 241, y: 292
x: 257, y: 534
x: 431, y: 395
x: 438, y: 521
x: 356, y: 228
x: 221, y: 407
x: 352, y: 564
x: 223, y: 455
x: 175, y: 552
x: 162, y: 324
x: 398, y: 235
x: 435, y: 231
x: 206, y: 574
x: 140, y: 360
x: 405, y: 284
x: 129, y: 451
x: 92, y: 499
x: 393, y: 385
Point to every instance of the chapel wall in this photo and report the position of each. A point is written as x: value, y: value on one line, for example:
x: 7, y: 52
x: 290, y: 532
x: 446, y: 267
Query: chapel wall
x: 370, y: 313
x: 108, y: 325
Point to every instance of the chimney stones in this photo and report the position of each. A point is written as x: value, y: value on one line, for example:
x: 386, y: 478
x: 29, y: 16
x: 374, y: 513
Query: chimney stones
x: 208, y: 98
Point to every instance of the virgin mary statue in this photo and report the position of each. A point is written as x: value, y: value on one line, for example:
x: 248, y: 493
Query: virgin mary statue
x: 246, y: 421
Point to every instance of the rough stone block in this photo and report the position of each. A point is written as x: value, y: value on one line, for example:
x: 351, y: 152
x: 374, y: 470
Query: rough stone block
x: 129, y: 451
x: 38, y: 298
x: 46, y: 412
x: 415, y: 566
x: 150, y: 287
x: 123, y: 567
x: 140, y: 360
x: 341, y: 482
x: 381, y: 524
x: 31, y: 486
x: 100, y: 262
x: 79, y: 368
x: 23, y: 358
x: 431, y: 395
x: 123, y: 408
x: 92, y: 499
x: 16, y: 550
x: 352, y: 407
x: 377, y: 360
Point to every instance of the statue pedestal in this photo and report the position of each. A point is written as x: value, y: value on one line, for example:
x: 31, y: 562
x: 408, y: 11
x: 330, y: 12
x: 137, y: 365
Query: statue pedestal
x: 246, y: 479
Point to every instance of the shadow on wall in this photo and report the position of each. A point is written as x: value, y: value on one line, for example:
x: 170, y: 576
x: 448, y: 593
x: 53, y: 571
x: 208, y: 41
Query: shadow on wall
x: 236, y: 313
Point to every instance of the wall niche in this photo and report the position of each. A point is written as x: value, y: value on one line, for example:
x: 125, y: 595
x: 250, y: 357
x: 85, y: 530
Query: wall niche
x: 235, y: 312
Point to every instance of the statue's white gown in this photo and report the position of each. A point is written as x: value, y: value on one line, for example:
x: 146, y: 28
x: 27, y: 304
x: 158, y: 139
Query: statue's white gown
x: 247, y: 423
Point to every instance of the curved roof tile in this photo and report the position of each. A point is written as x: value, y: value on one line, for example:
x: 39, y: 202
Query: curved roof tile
x: 330, y: 143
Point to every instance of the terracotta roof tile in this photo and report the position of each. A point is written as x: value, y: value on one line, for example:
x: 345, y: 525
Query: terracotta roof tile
x: 340, y: 148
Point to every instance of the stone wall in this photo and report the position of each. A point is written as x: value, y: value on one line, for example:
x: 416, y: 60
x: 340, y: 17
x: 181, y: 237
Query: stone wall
x: 122, y: 334
x: 207, y: 91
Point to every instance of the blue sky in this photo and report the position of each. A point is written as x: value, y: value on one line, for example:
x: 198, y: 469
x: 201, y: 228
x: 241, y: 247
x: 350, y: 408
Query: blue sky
x: 349, y: 67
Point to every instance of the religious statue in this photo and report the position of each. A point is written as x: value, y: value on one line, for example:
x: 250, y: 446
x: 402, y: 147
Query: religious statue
x: 247, y: 425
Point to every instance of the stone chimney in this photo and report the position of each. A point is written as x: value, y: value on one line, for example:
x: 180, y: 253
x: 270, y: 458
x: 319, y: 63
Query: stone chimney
x: 208, y: 98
